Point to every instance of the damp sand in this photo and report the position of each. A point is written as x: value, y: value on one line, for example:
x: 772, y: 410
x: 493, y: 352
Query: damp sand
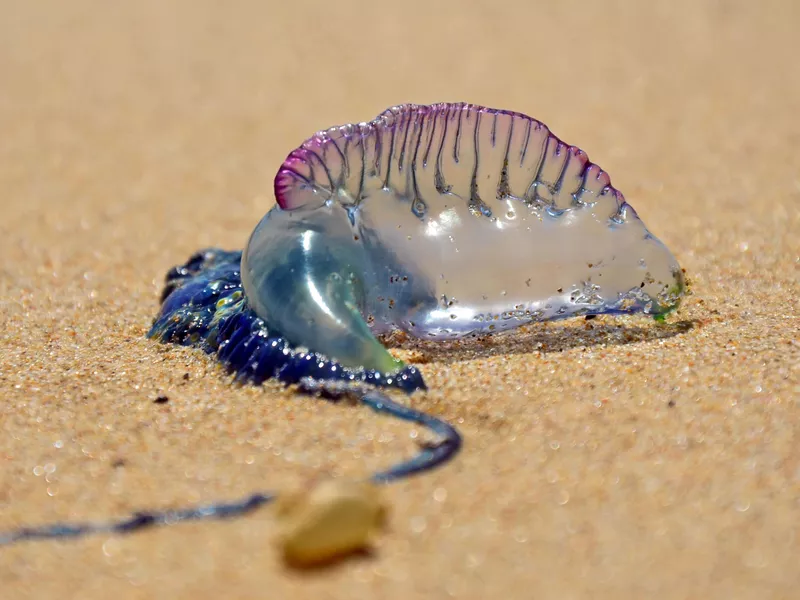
x: 612, y: 458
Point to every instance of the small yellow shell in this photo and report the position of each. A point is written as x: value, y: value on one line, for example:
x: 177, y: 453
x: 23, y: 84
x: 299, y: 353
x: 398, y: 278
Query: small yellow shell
x: 328, y: 521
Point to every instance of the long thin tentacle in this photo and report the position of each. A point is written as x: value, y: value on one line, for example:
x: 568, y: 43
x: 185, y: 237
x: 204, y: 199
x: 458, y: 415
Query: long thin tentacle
x: 431, y: 456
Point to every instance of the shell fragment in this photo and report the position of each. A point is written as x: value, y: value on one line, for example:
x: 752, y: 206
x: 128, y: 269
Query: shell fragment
x: 328, y: 521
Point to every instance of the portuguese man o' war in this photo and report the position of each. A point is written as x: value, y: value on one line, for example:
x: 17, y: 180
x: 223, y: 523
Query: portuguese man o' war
x: 439, y: 221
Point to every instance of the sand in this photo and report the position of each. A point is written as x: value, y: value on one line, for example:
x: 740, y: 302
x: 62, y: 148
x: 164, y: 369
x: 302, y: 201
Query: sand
x: 607, y: 459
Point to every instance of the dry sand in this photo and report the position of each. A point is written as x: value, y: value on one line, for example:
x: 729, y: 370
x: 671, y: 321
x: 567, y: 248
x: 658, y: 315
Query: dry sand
x: 610, y: 459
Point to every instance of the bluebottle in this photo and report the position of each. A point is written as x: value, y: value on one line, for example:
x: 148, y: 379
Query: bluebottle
x: 439, y: 221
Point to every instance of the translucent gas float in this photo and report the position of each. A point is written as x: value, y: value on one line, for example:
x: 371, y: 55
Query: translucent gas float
x: 443, y: 221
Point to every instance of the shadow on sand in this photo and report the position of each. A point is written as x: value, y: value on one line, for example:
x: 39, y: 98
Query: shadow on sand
x: 550, y: 337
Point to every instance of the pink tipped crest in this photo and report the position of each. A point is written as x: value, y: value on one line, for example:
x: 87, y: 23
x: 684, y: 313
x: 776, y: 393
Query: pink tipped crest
x: 477, y: 153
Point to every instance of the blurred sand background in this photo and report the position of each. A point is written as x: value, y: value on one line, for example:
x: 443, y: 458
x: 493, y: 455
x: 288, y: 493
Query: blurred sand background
x: 603, y: 459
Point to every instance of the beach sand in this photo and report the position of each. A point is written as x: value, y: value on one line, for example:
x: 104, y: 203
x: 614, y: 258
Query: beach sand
x: 613, y: 458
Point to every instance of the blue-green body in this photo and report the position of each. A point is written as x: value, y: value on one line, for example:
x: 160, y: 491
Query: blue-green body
x: 203, y: 305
